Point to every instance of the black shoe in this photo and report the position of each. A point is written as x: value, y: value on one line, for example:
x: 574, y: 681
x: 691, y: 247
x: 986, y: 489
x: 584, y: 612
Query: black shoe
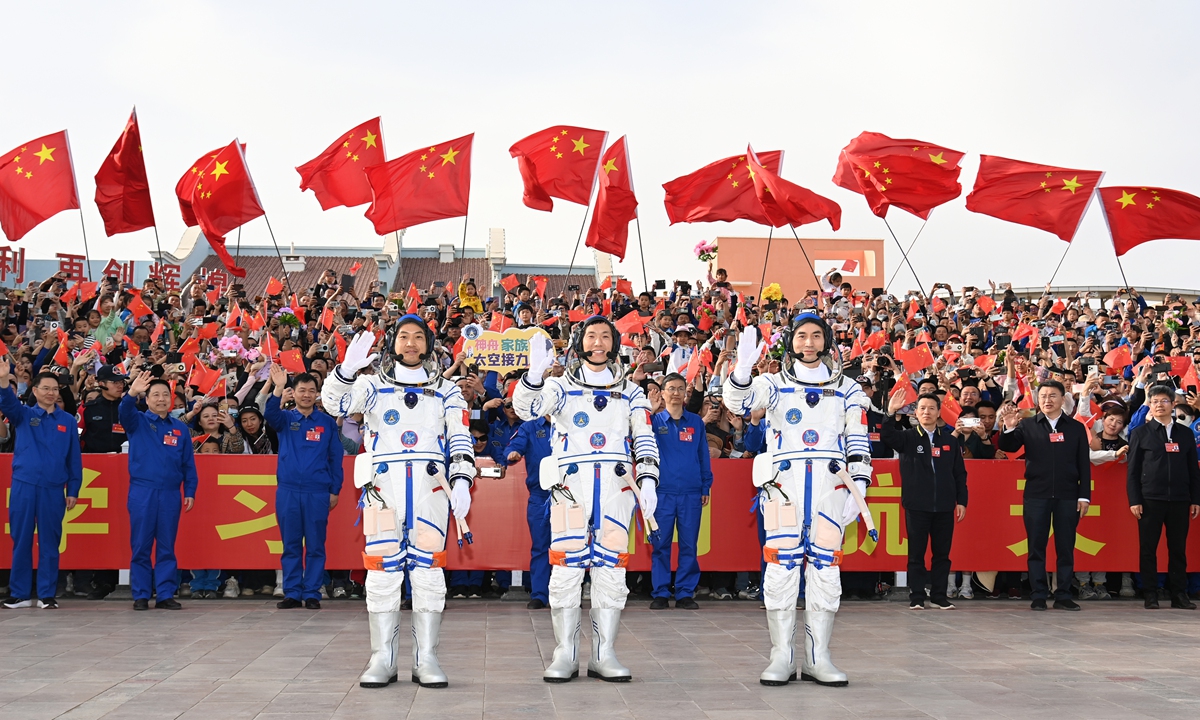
x: 48, y: 603
x: 1181, y: 602
x: 142, y: 604
x: 312, y: 604
x: 687, y: 603
x: 168, y: 604
x: 942, y: 604
x: 1151, y: 603
x: 659, y: 603
x: 1067, y: 604
x: 916, y: 604
x: 1038, y: 605
x: 288, y: 604
x: 458, y: 592
x: 535, y: 604
x: 100, y: 592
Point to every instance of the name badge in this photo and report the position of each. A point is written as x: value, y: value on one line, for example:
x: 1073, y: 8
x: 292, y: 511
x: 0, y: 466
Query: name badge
x: 937, y: 452
x: 1172, y: 447
x: 170, y: 440
x: 1056, y: 437
x: 313, y: 435
x: 873, y: 436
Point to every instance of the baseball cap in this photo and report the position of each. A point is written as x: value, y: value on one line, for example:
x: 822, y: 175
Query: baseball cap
x: 107, y: 373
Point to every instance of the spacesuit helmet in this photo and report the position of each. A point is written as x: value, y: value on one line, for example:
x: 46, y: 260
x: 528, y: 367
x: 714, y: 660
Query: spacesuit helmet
x: 407, y: 348
x: 597, y: 342
x: 792, y: 337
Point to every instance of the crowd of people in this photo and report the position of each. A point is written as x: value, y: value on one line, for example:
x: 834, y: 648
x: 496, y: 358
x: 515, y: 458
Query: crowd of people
x: 1117, y: 364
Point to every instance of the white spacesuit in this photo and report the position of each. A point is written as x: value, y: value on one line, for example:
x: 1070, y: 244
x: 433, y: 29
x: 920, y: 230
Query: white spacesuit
x: 816, y: 431
x: 413, y: 421
x: 601, y: 423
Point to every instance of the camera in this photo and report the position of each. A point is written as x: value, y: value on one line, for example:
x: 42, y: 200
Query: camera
x: 972, y: 422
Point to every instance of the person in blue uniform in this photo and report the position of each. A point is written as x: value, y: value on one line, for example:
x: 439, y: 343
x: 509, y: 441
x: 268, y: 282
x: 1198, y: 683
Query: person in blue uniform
x: 502, y: 430
x: 532, y: 442
x: 684, y: 482
x: 309, y: 482
x: 160, y: 461
x: 46, y: 460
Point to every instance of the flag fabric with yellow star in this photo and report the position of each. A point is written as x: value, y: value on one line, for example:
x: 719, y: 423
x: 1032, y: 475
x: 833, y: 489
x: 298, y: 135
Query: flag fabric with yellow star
x: 37, y: 182
x: 913, y: 175
x: 187, y: 183
x: 337, y: 176
x: 558, y: 162
x: 1139, y: 214
x: 615, y: 203
x: 122, y: 186
x: 786, y: 203
x: 1041, y: 196
x: 720, y: 191
x: 427, y: 184
x: 223, y: 199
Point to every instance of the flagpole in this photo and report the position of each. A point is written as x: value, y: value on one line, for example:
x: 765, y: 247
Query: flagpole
x: 910, y: 247
x: 464, y: 250
x: 1122, y: 269
x: 766, y: 256
x: 278, y: 254
x: 1064, y: 257
x: 906, y: 260
x: 157, y: 246
x: 238, y: 256
x: 642, y: 252
x: 811, y: 269
x: 86, y: 255
x: 582, y: 225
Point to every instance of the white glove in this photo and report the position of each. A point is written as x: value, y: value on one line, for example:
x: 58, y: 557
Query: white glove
x: 749, y: 349
x: 851, y: 513
x: 649, y: 498
x: 358, y: 354
x: 460, y: 498
x: 541, y: 357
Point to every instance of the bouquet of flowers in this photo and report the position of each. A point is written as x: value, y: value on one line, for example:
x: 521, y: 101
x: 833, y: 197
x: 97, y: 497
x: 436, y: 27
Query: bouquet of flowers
x: 776, y: 350
x: 285, y: 316
x: 705, y: 250
x: 772, y: 293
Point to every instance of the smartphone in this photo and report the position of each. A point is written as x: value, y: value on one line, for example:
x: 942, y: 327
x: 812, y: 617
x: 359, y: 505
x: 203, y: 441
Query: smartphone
x: 970, y: 422
x: 660, y: 284
x: 1085, y: 361
x: 573, y: 288
x: 876, y: 292
x: 347, y: 282
x: 1160, y: 367
x: 1110, y: 380
x: 1003, y: 341
x: 1056, y: 339
x: 965, y: 373
x: 955, y: 347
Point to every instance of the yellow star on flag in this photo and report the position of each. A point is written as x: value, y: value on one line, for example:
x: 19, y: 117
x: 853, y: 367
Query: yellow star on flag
x: 937, y: 159
x: 612, y: 165
x: 219, y: 170
x: 1072, y: 184
x: 1126, y: 199
x: 580, y: 146
x: 369, y: 139
x: 449, y: 157
x: 45, y: 154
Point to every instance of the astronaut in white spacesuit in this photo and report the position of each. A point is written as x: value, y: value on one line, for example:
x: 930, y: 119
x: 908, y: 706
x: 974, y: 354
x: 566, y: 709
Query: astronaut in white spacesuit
x: 604, y: 457
x: 418, y: 464
x: 816, y: 432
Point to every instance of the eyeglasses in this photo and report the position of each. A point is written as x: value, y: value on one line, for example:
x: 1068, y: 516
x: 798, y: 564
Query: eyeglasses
x: 676, y: 390
x: 1160, y: 400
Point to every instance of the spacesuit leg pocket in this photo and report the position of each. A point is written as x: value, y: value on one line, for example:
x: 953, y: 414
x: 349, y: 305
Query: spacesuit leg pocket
x: 432, y: 510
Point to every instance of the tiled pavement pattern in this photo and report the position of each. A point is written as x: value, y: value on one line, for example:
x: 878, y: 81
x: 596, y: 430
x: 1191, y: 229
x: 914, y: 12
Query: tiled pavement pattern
x: 221, y: 660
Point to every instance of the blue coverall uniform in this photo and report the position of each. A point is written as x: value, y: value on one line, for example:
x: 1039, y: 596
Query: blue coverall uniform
x: 309, y: 471
x: 46, y: 459
x: 160, y: 460
x: 685, y: 475
x: 532, y: 442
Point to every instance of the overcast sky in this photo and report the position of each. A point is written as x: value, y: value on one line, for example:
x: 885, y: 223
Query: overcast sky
x: 1100, y: 85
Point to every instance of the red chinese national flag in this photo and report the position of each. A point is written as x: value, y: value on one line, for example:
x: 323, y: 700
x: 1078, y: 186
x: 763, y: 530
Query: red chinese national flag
x: 500, y: 322
x: 720, y: 191
x: 917, y: 359
x: 786, y: 203
x: 950, y: 410
x: 632, y: 323
x: 122, y: 187
x: 138, y: 307
x: 616, y: 205
x: 1137, y: 214
x: 510, y: 282
x: 986, y: 303
x: 876, y: 340
x: 427, y: 184
x: 187, y: 183
x: 1118, y: 358
x: 292, y: 361
x: 1042, y: 196
x: 937, y: 304
x: 37, y: 182
x: 337, y: 176
x: 1023, y: 330
x: 274, y: 287
x: 538, y: 283
x: 905, y: 390
x: 224, y: 198
x: 62, y: 356
x: 914, y: 176
x: 558, y: 162
x: 413, y: 294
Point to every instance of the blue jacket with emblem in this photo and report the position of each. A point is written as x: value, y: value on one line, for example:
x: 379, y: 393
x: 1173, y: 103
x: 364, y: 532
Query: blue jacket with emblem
x: 160, y: 451
x: 500, y: 433
x: 532, y: 441
x: 47, y: 452
x: 684, y: 464
x: 310, y: 453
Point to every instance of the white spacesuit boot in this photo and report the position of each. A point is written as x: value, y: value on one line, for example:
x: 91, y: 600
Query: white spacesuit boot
x: 818, y: 628
x: 603, y: 662
x: 425, y: 669
x: 565, y: 665
x: 385, y: 642
x: 782, y: 626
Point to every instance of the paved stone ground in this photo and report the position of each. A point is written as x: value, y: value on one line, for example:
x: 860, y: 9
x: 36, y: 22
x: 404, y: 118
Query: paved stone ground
x: 228, y: 659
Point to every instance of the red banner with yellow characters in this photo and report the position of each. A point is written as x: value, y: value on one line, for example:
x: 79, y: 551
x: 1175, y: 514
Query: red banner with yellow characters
x: 233, y: 525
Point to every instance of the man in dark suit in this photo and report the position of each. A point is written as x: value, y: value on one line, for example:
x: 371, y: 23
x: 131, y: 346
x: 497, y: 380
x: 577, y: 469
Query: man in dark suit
x: 1058, y: 487
x: 933, y: 491
x: 1164, y: 489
